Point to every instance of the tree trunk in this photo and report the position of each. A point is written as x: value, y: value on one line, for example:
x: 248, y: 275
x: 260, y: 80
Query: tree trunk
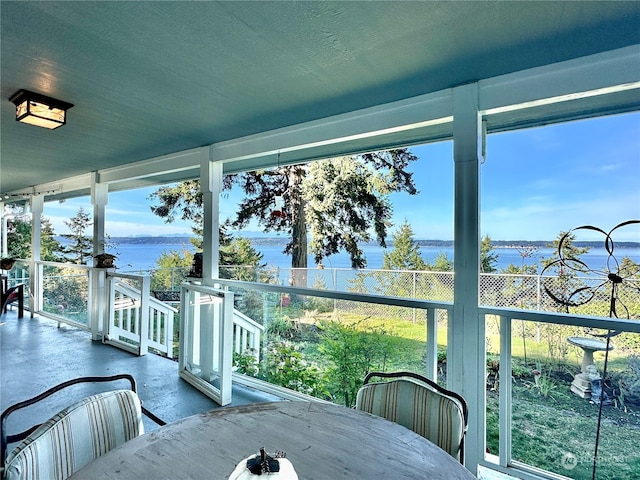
x: 298, y: 230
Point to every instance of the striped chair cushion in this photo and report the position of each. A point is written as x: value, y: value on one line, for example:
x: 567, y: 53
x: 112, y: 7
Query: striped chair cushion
x: 417, y: 406
x: 75, y: 436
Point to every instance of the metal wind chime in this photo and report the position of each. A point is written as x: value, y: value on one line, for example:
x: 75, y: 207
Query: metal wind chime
x: 570, y: 292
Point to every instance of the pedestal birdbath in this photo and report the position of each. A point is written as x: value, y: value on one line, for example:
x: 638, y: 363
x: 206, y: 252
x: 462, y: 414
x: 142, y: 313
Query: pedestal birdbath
x: 581, y: 384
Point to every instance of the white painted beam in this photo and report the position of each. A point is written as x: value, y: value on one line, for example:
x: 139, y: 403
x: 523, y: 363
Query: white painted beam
x: 409, y: 114
x: 98, y: 308
x: 599, y: 74
x: 35, y: 279
x: 175, y: 162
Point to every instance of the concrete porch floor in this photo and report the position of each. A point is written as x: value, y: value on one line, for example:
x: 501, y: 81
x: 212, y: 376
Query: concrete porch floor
x: 35, y: 355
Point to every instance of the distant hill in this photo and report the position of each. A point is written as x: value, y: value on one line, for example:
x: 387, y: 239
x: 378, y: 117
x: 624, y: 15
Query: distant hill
x: 184, y: 240
x: 169, y: 240
x: 173, y: 240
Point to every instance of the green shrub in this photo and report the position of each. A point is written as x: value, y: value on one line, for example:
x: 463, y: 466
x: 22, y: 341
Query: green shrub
x: 246, y: 363
x: 287, y: 367
x: 281, y: 327
x: 353, y: 350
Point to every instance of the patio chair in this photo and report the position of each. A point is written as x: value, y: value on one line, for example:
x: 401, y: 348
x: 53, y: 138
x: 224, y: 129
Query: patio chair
x: 419, y: 404
x: 74, y: 436
x: 11, y: 295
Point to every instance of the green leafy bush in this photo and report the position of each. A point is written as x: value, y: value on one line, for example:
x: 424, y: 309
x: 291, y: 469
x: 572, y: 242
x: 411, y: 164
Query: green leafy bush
x: 353, y: 350
x: 286, y: 366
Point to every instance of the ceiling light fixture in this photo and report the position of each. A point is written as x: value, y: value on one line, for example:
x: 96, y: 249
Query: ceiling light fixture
x: 40, y: 110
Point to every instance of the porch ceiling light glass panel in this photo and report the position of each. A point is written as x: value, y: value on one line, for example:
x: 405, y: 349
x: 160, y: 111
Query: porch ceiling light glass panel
x: 206, y: 340
x: 40, y: 110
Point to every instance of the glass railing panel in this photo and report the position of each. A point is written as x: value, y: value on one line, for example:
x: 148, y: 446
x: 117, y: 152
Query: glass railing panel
x: 65, y: 290
x: 555, y: 400
x: 206, y: 340
x: 324, y: 346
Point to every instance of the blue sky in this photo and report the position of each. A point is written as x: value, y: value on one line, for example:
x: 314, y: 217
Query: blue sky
x: 535, y: 183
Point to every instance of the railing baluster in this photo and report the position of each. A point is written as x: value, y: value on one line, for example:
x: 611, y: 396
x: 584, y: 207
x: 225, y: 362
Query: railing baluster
x: 505, y: 391
x: 432, y: 344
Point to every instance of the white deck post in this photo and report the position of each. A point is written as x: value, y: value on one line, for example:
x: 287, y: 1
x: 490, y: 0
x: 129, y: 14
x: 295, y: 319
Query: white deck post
x: 211, y: 186
x: 4, y: 250
x: 97, y: 294
x: 466, y: 332
x: 35, y: 279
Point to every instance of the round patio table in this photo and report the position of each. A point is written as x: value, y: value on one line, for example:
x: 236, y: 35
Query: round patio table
x: 322, y: 441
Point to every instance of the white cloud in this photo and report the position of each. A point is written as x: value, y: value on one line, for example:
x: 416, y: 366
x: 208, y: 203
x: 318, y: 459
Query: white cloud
x: 543, y: 220
x: 126, y: 229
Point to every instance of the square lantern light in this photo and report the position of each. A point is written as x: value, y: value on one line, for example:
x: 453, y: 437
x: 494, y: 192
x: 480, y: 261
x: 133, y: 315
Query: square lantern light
x: 40, y: 110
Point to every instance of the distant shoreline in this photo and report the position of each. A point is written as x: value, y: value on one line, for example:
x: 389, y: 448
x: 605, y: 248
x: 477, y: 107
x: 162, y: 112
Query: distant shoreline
x: 185, y: 240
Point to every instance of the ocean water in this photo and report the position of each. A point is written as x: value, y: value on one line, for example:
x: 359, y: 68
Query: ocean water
x: 144, y: 256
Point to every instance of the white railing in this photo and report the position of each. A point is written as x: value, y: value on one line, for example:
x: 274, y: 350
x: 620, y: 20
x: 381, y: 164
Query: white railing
x: 125, y: 320
x: 61, y: 292
x: 206, y: 340
x: 246, y: 334
x: 433, y: 311
x: 137, y: 321
x: 504, y: 461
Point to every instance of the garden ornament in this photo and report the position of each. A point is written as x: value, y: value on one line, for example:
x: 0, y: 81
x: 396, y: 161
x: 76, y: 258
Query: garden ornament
x: 276, y: 466
x: 105, y: 260
x: 571, y: 291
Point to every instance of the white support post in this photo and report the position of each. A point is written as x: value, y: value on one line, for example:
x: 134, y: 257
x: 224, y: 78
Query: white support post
x: 466, y: 333
x: 432, y: 344
x: 98, y: 308
x: 225, y: 359
x: 211, y: 186
x: 144, y: 315
x: 4, y: 252
x: 99, y: 200
x: 35, y: 279
x: 505, y: 391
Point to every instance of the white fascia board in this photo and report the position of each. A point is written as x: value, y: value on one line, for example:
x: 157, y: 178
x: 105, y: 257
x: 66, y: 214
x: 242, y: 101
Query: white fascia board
x: 598, y: 74
x: 409, y: 114
x: 174, y: 162
x: 57, y: 188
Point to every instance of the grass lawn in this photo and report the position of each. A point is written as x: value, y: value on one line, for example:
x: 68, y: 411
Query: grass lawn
x: 558, y: 434
x: 555, y: 431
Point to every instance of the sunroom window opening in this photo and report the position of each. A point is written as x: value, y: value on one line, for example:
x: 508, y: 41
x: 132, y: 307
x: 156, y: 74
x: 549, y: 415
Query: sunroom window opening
x: 341, y: 208
x: 541, y: 183
x: 558, y: 208
x: 67, y: 227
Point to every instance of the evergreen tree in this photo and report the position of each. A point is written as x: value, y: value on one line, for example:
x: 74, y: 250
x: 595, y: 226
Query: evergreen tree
x: 173, y: 267
x: 525, y: 251
x: 50, y: 248
x: 19, y: 240
x: 564, y: 289
x: 337, y: 201
x: 405, y: 254
x: 183, y: 199
x: 488, y: 258
x: 568, y: 250
x: 442, y: 263
x: 238, y: 251
x: 80, y: 247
